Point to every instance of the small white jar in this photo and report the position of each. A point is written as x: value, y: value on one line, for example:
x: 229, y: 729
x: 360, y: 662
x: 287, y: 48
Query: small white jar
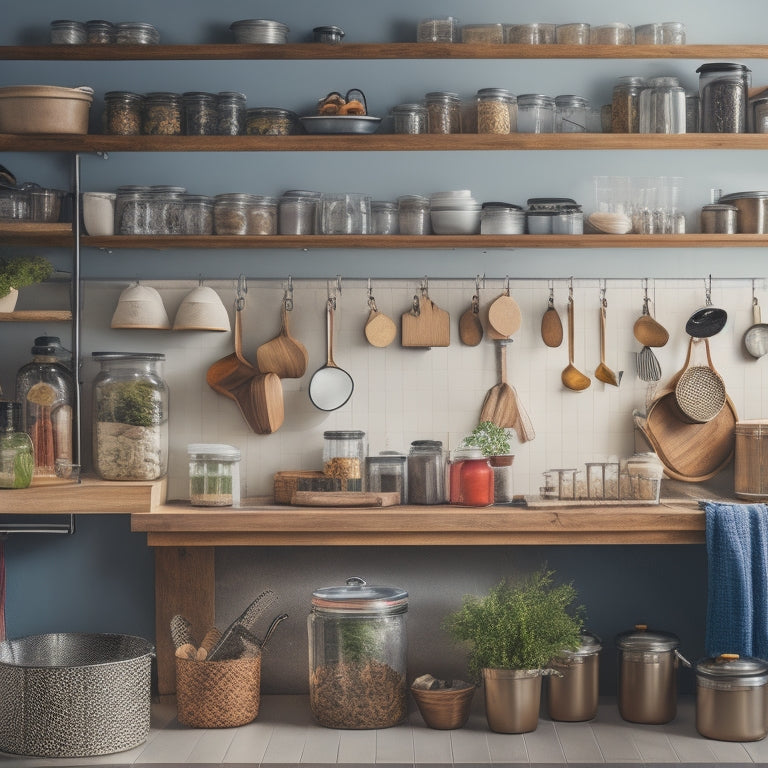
x: 99, y: 213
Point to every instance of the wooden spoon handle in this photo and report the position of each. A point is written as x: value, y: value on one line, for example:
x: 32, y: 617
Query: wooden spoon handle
x: 602, y: 334
x: 238, y: 332
x: 570, y: 330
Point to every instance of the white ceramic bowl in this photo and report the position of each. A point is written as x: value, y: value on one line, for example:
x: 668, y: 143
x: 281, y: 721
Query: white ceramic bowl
x: 455, y: 222
x: 201, y: 310
x: 140, y: 306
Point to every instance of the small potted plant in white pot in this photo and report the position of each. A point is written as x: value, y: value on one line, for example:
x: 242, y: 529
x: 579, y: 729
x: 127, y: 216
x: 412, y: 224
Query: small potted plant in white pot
x: 512, y: 634
x: 19, y: 272
x: 494, y: 442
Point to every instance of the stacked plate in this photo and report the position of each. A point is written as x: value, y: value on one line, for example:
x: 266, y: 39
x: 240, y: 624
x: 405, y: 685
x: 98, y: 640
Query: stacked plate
x: 259, y: 31
x: 455, y: 213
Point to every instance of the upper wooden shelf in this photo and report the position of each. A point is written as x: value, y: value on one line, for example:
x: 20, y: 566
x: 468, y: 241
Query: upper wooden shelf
x: 310, y: 51
x: 36, y: 316
x: 381, y: 142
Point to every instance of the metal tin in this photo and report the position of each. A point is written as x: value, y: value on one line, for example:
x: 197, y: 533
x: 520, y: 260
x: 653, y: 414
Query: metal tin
x: 328, y: 34
x: 753, y: 211
x: 572, y: 696
x: 719, y: 218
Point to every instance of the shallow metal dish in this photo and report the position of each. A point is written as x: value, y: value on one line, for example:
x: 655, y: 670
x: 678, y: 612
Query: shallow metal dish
x: 340, y: 123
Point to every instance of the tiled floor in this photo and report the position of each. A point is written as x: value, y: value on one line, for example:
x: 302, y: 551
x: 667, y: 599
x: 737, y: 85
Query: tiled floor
x: 285, y: 735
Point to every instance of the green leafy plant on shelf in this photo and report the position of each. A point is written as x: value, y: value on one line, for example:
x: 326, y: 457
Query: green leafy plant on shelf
x: 20, y: 271
x: 518, y: 625
x: 491, y: 439
x: 130, y: 402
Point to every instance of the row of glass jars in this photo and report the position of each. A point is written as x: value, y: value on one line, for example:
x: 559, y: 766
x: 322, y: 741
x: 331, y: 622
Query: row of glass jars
x: 97, y: 32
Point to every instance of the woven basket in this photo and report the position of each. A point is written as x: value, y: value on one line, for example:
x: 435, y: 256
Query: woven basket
x: 286, y: 483
x: 218, y: 694
x: 444, y: 709
x: 700, y: 393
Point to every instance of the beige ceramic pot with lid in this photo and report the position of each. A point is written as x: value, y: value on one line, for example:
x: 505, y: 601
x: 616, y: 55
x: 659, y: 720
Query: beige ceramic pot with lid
x: 731, y: 698
x: 572, y: 693
x: 648, y: 662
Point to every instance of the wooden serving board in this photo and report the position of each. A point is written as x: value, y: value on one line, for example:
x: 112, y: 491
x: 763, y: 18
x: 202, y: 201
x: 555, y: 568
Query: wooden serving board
x: 431, y: 327
x: 344, y: 499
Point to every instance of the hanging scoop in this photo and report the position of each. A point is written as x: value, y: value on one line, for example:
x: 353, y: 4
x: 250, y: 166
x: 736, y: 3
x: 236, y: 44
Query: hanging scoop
x: 551, y: 325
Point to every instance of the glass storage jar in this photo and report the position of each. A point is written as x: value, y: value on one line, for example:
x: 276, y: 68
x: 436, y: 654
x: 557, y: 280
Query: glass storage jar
x: 130, y: 416
x: 197, y: 215
x: 66, y: 32
x: 122, y: 113
x: 483, y: 34
x: 166, y: 214
x: 230, y: 113
x: 46, y: 390
x: 344, y: 457
x: 470, y: 478
x: 724, y: 95
x: 243, y: 214
x: 410, y: 118
x: 414, y: 215
x: 214, y: 475
x: 648, y: 34
x: 443, y: 112
x: 502, y: 219
x: 387, y: 473
x: 384, y: 218
x: 576, y: 33
x: 271, y: 121
x: 132, y: 209
x: 662, y: 106
x: 200, y: 113
x: 161, y: 114
x: 136, y: 33
x: 358, y: 655
x: 535, y: 113
x: 496, y: 111
x: 426, y: 472
x: 571, y: 114
x: 615, y: 33
x: 444, y: 30
x: 625, y: 104
x: 692, y: 112
x: 529, y: 34
x: 99, y: 32
x: 17, y: 458
x: 672, y: 33
x: 297, y: 212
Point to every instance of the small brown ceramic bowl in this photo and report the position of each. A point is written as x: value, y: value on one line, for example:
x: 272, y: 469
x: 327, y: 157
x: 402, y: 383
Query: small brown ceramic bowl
x: 445, y: 708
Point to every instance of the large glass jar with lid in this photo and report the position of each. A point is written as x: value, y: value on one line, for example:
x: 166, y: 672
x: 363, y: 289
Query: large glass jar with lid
x: 535, y: 113
x: 230, y: 110
x: 200, y: 113
x: 45, y: 388
x: 162, y: 115
x: 625, y: 104
x: 130, y: 416
x: 443, y: 112
x: 426, y: 472
x: 662, y: 106
x: 496, y: 111
x: 344, y: 455
x: 357, y: 655
x: 571, y: 114
x: 724, y: 96
x: 17, y: 460
x: 122, y: 113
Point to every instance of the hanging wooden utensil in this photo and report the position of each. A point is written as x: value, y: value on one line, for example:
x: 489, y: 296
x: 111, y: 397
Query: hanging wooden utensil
x: 504, y: 316
x: 425, y: 324
x: 470, y: 327
x: 603, y: 372
x: 500, y: 404
x: 551, y: 325
x: 380, y: 330
x: 647, y: 330
x: 573, y: 378
x: 284, y: 355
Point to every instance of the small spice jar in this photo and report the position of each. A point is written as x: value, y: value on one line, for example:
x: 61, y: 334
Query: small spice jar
x: 66, y: 32
x: 230, y: 113
x: 470, y: 478
x: 496, y: 111
x: 271, y: 121
x: 571, y: 114
x: 387, y: 473
x: 162, y: 114
x: 358, y: 655
x: 344, y: 457
x: 410, y: 118
x: 200, y: 113
x: 136, y: 33
x: 99, y: 32
x: 17, y: 461
x: 625, y: 104
x: 214, y: 475
x: 535, y: 113
x: 414, y: 215
x: 384, y: 218
x: 426, y: 472
x: 122, y: 113
x: 444, y: 112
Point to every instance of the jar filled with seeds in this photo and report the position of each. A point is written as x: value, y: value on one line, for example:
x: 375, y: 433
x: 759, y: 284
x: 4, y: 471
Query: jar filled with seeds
x: 197, y: 215
x: 625, y: 104
x: 535, y: 113
x: 529, y: 34
x: 122, y: 113
x: 615, y: 33
x: 136, y: 33
x: 162, y: 114
x: 444, y: 112
x: 262, y: 215
x: 100, y: 32
x: 271, y: 121
x: 132, y: 210
x: 572, y: 34
x: 344, y: 458
x: 724, y: 94
x: 214, y: 475
x: 230, y: 213
x: 66, y: 32
x: 410, y: 118
x: 230, y: 113
x: 496, y: 111
x: 483, y: 34
x: 200, y: 113
x: 571, y: 114
x: 414, y: 215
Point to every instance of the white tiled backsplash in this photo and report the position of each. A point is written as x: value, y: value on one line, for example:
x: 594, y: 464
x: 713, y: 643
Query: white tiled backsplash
x: 403, y: 394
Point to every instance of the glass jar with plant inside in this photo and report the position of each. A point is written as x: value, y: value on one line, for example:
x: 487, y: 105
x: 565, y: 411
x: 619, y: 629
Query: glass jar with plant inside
x: 130, y: 416
x: 494, y: 443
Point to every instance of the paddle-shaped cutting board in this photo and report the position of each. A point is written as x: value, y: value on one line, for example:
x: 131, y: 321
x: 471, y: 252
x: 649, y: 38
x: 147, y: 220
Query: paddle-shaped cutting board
x: 427, y: 326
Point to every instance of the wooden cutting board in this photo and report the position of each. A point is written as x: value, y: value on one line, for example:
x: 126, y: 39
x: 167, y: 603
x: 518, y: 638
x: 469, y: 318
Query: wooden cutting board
x: 345, y: 499
x: 430, y: 326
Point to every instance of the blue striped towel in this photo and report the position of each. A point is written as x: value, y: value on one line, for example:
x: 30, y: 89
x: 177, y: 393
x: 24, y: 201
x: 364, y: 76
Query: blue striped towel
x: 737, y: 591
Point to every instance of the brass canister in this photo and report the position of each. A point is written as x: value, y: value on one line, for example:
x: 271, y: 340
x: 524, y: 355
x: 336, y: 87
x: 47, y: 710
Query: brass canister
x: 573, y: 692
x: 512, y: 699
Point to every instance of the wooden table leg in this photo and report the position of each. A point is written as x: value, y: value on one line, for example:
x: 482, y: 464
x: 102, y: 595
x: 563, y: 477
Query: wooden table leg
x: 185, y: 584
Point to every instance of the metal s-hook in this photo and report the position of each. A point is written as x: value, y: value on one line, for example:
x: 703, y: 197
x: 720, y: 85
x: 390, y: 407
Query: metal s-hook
x: 288, y: 295
x: 425, y: 287
x: 331, y: 294
x: 242, y: 290
x: 708, y: 290
x: 371, y: 301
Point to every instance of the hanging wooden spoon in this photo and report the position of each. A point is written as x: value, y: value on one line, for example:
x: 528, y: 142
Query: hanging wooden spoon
x: 603, y: 372
x: 470, y: 327
x: 571, y: 376
x: 283, y: 355
x: 500, y: 404
x: 648, y: 331
x: 551, y: 325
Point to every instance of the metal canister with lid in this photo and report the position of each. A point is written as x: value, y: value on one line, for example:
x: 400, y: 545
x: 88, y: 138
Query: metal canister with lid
x: 357, y: 655
x: 648, y: 662
x: 731, y: 698
x: 572, y: 694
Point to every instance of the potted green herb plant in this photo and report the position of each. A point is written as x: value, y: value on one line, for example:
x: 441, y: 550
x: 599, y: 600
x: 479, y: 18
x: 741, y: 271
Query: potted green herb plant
x: 512, y: 634
x: 494, y: 442
x: 19, y: 272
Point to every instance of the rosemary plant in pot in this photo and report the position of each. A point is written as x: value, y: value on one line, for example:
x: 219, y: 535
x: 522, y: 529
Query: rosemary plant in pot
x: 19, y: 272
x: 495, y: 444
x: 512, y: 634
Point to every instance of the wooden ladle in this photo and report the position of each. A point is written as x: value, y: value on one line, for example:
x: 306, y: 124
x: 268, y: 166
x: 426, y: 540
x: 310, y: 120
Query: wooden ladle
x: 648, y: 331
x: 284, y: 355
x: 603, y: 372
x: 571, y: 376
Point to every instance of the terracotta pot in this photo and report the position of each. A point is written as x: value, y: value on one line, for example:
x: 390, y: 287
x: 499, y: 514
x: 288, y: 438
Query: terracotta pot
x: 8, y: 302
x: 512, y: 699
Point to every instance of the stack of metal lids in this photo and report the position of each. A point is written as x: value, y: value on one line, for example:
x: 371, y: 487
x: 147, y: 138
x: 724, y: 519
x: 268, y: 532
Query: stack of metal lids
x: 259, y: 31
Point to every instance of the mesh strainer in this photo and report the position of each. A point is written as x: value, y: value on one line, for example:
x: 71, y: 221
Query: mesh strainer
x: 700, y: 390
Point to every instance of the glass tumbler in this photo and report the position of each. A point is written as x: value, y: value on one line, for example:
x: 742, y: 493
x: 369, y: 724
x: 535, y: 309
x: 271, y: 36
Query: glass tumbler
x: 346, y: 213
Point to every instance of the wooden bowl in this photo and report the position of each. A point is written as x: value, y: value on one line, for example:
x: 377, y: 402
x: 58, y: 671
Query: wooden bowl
x: 446, y: 708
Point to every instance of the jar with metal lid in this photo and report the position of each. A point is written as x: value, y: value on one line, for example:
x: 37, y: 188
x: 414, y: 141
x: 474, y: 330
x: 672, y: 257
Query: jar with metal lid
x: 162, y: 114
x: 758, y: 112
x: 426, y: 472
x: 132, y: 210
x: 470, y: 478
x: 230, y: 213
x: 384, y: 218
x: 387, y: 473
x: 576, y: 33
x: 719, y: 218
x: 344, y: 455
x: 230, y: 113
x: 130, y: 416
x: 197, y: 215
x: 167, y: 210
x: 662, y: 106
x: 99, y: 32
x: 122, y: 113
x: 297, y: 213
x: 413, y: 215
x: 271, y: 121
x: 724, y: 93
x: 358, y: 655
x: 731, y: 703
x: 501, y: 219
x: 496, y: 111
x: 17, y: 457
x: 529, y: 34
x: 443, y: 112
x: 214, y: 475
x: 66, y: 32
x: 625, y: 104
x: 410, y: 118
x: 571, y: 114
x: 572, y: 696
x: 329, y: 34
x: 648, y: 663
x: 535, y: 113
x: 200, y: 113
x: 136, y: 33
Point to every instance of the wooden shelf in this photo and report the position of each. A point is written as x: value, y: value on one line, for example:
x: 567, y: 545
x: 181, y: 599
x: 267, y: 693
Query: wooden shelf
x: 314, y: 51
x: 36, y: 316
x: 383, y: 142
x: 36, y: 233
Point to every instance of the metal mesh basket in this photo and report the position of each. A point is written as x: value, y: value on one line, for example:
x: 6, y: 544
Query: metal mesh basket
x: 700, y: 393
x: 74, y: 694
